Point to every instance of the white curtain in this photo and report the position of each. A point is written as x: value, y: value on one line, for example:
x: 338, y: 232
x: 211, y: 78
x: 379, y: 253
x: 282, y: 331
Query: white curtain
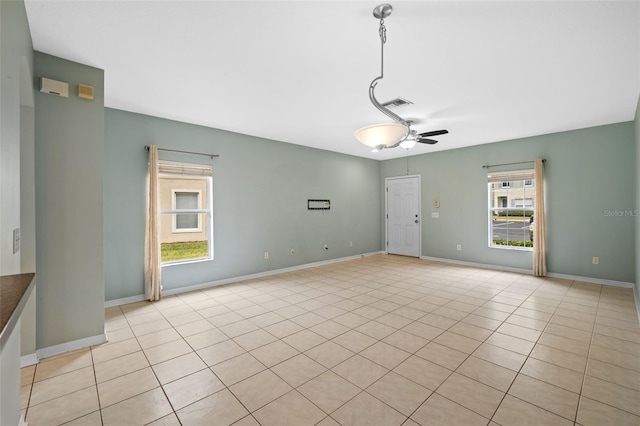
x: 539, y: 229
x: 152, y: 266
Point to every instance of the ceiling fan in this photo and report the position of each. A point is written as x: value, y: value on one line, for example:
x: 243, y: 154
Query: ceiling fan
x: 399, y: 133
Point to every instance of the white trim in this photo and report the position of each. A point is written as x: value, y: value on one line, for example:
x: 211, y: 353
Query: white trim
x: 71, y: 346
x: 21, y: 422
x: 132, y: 299
x: 386, y: 211
x: 636, y: 297
x: 124, y: 301
x: 29, y: 359
x: 602, y: 281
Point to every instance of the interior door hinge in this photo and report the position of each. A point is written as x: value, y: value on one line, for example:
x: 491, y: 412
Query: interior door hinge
x: 387, y: 188
x: 387, y: 242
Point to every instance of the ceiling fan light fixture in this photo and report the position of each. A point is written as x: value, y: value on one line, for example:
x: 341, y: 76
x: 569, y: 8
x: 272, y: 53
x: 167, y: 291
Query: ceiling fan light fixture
x: 381, y: 136
x: 408, y: 143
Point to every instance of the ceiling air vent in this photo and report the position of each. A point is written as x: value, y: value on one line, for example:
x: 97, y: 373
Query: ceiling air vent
x: 396, y: 102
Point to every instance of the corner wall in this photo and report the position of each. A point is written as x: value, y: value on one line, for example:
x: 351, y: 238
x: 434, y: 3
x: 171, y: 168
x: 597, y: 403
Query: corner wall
x: 260, y: 193
x: 69, y: 169
x: 590, y: 182
x: 637, y: 180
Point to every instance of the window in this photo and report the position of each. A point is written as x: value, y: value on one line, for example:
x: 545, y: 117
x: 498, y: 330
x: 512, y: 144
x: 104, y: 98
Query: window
x: 186, y: 219
x: 511, y: 200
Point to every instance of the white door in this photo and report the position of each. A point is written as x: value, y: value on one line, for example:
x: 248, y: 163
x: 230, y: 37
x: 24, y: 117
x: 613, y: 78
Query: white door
x: 403, y: 215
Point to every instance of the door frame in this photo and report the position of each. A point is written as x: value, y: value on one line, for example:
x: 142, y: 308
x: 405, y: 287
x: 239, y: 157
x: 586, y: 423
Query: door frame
x: 386, y: 211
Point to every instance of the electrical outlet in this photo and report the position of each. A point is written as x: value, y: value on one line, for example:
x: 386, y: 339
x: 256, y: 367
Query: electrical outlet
x: 596, y: 260
x: 326, y: 247
x: 266, y: 255
x: 459, y: 247
x: 436, y: 204
x: 293, y: 252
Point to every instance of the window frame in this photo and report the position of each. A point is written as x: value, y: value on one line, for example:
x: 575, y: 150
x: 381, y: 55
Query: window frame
x: 522, y: 180
x: 174, y: 222
x: 191, y: 171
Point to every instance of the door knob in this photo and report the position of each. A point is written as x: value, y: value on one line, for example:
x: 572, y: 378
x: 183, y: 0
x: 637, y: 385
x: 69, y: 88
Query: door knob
x: 416, y: 220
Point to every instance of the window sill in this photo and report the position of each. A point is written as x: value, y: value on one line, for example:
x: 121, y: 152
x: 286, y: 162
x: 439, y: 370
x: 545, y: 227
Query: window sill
x: 499, y: 247
x: 187, y: 261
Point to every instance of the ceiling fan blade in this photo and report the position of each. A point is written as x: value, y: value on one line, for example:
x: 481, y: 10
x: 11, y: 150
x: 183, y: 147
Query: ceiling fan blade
x: 427, y: 141
x: 434, y: 133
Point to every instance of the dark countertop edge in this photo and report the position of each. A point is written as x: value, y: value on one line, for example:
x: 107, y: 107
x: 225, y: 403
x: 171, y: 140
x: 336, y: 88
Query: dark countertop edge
x: 17, y: 312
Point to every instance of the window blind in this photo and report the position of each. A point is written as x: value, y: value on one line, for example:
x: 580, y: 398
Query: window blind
x: 174, y: 168
x: 514, y: 175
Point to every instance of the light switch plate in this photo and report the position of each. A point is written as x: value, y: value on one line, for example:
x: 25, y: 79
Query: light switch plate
x: 435, y: 215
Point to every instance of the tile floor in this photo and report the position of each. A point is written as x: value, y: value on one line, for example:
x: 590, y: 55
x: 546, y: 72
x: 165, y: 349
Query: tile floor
x: 382, y: 340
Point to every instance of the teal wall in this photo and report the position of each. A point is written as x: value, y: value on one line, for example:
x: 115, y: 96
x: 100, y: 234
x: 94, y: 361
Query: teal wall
x: 588, y: 172
x: 69, y: 164
x: 260, y: 192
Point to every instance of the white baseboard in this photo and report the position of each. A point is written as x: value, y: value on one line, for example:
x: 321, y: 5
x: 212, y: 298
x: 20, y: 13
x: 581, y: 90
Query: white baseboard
x: 612, y: 283
x: 29, y: 359
x: 636, y: 296
x: 71, y: 346
x: 209, y: 284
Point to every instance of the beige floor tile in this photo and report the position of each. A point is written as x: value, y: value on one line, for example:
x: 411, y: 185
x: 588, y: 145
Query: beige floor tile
x: 405, y: 341
x: 614, y: 343
x: 220, y: 352
x: 442, y: 355
x: 534, y: 324
x: 150, y: 327
x: 385, y: 355
x: 224, y: 319
x: 91, y: 419
x: 237, y: 369
x: 609, y: 393
x: 283, y: 328
x: 247, y: 421
x: 120, y: 366
x: 167, y: 351
x: 614, y: 357
x: 546, y: 396
x: 437, y: 321
x: 308, y: 319
x: 553, y: 374
x: 365, y: 410
x: 274, y: 353
x: 399, y: 392
x: 127, y: 386
x: 500, y: 356
x: 488, y: 373
x: 535, y: 313
x: 629, y: 335
x: 354, y: 340
x: 471, y: 394
x: 168, y: 420
x: 511, y: 343
x: 157, y: 338
x: 260, y: 389
x: 298, y: 370
x: 119, y: 334
x: 192, y: 388
x: 594, y: 413
x: 62, y: 384
x: 329, y: 354
x: 329, y: 329
x: 206, y: 338
x: 515, y: 412
x: 375, y: 329
x: 185, y: 318
x: 360, y: 371
x: 471, y: 331
x: 613, y: 373
x: 254, y: 339
x: 394, y: 320
x: 519, y: 332
x: 239, y: 328
x: 291, y: 409
x: 65, y: 408
x: 438, y: 411
x: 423, y: 330
x: 566, y: 321
x: 51, y: 367
x: 266, y: 319
x: 113, y: 350
x: 178, y: 367
x: 27, y: 374
x: 195, y: 327
x: 568, y: 332
x: 559, y: 357
x: 457, y: 342
x: 423, y: 372
x: 303, y: 340
x: 328, y: 391
x: 140, y: 409
x: 491, y: 314
x: 327, y: 421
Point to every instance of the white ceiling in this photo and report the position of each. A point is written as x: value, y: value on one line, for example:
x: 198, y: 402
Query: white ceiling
x: 299, y: 71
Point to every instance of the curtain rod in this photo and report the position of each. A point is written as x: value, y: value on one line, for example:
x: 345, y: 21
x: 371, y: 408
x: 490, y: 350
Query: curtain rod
x: 510, y: 164
x: 184, y: 152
